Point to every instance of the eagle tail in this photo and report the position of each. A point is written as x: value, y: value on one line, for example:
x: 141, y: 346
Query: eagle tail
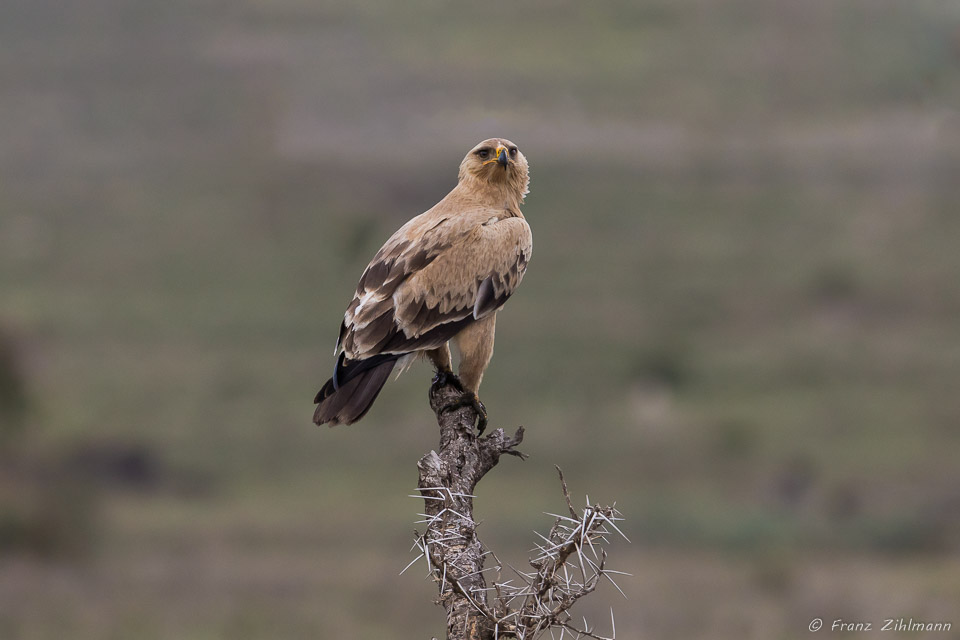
x: 349, y: 394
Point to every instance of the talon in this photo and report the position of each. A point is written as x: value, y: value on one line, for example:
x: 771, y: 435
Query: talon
x: 481, y: 415
x: 469, y: 399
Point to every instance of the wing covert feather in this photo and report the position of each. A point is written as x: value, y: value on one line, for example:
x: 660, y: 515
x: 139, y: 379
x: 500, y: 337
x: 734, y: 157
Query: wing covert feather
x: 425, y: 284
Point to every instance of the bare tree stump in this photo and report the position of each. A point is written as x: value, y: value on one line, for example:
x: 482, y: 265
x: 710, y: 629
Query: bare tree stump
x: 447, y: 481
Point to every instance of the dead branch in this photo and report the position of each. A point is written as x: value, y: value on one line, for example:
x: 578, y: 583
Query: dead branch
x: 570, y: 564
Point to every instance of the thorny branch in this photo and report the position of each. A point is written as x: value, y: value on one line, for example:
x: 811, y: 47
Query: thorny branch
x: 569, y: 562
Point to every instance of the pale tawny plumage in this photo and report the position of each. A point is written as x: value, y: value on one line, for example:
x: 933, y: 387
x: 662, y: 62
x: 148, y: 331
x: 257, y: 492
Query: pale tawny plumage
x: 442, y: 276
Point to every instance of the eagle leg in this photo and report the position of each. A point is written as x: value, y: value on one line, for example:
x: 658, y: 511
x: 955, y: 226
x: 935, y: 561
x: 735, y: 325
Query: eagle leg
x: 470, y: 399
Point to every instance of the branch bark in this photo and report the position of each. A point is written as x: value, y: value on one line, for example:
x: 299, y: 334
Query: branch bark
x: 447, y: 481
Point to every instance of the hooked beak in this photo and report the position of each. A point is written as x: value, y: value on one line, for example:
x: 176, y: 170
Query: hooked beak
x: 502, y: 157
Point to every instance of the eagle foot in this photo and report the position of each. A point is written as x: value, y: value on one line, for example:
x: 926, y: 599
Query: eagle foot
x: 470, y: 399
x: 443, y: 378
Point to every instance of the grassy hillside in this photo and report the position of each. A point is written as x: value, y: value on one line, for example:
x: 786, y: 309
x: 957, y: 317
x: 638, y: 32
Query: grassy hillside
x: 740, y: 321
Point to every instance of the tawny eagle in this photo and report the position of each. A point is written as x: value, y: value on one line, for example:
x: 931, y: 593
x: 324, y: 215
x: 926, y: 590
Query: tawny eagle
x: 442, y: 276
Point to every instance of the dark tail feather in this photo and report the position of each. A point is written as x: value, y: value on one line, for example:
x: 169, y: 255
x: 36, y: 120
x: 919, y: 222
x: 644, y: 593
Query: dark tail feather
x: 349, y: 394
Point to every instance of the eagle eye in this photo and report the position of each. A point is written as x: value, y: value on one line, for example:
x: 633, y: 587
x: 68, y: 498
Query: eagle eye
x: 483, y: 153
x: 513, y: 152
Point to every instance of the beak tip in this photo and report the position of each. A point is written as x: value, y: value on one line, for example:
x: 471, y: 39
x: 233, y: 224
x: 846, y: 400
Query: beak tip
x: 502, y: 158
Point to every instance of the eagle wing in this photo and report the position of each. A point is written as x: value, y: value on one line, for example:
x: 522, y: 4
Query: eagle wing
x: 432, y: 278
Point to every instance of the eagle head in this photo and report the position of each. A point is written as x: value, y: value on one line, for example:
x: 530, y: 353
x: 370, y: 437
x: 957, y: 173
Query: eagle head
x: 497, y: 162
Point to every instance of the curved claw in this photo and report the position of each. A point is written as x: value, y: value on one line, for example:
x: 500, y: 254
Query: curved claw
x: 481, y: 414
x: 470, y: 399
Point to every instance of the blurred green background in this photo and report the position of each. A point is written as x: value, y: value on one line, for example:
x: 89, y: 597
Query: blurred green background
x: 741, y: 321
